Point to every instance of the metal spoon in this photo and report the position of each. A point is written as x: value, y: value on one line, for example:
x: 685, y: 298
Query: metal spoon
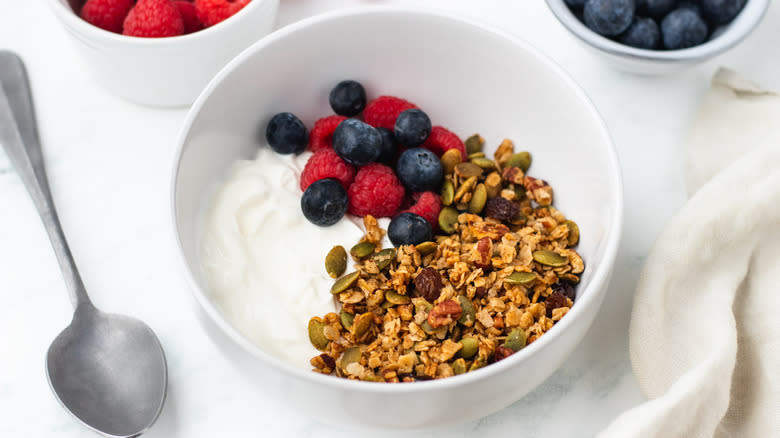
x: 107, y: 370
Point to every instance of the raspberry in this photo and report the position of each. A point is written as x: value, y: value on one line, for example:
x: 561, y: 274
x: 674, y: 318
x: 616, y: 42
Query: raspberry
x: 321, y: 136
x: 440, y: 140
x: 428, y: 206
x: 326, y: 164
x: 189, y: 16
x: 376, y: 191
x: 211, y: 12
x: 153, y: 18
x: 382, y: 111
x: 106, y: 14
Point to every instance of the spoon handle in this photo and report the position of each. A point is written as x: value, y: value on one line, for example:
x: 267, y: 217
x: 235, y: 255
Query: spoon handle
x: 19, y: 137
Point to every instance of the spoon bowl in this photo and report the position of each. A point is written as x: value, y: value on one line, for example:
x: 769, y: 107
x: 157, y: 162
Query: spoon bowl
x: 109, y: 371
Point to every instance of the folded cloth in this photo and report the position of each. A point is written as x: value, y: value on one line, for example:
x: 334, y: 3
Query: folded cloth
x: 705, y: 328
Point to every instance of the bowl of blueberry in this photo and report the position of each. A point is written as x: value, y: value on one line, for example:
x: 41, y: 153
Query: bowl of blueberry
x: 659, y: 36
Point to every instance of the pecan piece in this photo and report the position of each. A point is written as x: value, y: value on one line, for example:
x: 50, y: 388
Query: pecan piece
x: 483, y: 252
x: 444, y: 313
x: 513, y: 175
x: 502, y: 353
x: 538, y: 190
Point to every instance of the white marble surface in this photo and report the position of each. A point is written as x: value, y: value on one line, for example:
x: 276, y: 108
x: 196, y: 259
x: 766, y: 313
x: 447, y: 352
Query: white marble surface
x: 109, y: 164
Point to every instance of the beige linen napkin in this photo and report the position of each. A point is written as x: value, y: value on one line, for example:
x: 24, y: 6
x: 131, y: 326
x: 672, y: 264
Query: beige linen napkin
x: 705, y: 328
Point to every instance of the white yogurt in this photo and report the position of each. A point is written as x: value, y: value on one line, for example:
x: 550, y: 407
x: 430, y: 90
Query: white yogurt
x: 264, y: 261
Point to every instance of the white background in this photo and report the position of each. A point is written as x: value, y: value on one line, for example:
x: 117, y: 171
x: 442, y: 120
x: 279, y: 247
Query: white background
x: 110, y: 161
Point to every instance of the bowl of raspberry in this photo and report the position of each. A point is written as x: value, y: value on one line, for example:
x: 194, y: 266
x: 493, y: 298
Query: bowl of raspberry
x: 162, y: 52
x: 365, y: 227
x: 659, y: 36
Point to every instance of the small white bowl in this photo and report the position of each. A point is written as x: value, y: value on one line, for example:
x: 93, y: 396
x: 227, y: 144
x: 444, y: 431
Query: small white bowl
x: 653, y: 62
x: 467, y: 77
x: 165, y: 71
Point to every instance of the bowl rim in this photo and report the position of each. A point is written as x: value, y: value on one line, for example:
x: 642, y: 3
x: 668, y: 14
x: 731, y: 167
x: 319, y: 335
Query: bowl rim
x: 738, y: 29
x: 601, y: 273
x: 71, y: 19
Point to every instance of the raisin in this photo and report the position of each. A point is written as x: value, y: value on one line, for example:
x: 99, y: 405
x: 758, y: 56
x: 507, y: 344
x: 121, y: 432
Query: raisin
x: 501, y: 209
x: 554, y: 301
x: 566, y: 289
x: 502, y: 353
x: 329, y: 361
x: 480, y: 292
x: 428, y: 284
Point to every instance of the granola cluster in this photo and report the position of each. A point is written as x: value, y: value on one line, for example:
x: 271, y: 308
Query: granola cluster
x: 495, y: 279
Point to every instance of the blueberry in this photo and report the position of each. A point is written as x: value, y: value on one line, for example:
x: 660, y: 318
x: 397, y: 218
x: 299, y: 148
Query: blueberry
x: 420, y: 170
x: 389, y: 147
x: 690, y: 4
x: 356, y: 142
x: 643, y: 34
x: 609, y: 17
x: 412, y: 128
x: 348, y: 98
x: 575, y: 4
x: 683, y: 28
x: 286, y: 134
x: 324, y: 202
x: 409, y: 229
x: 721, y: 11
x: 655, y: 8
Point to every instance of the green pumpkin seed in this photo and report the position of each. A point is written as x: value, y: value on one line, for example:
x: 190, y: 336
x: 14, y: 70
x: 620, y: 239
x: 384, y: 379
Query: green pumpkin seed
x: 383, y: 258
x: 427, y: 327
x: 515, y: 340
x: 469, y: 347
x: 421, y: 305
x: 344, y: 283
x: 361, y: 324
x: 521, y: 160
x: 468, y: 316
x: 350, y: 355
x: 476, y: 155
x: 550, y: 258
x: 372, y: 378
x: 447, y: 192
x: 362, y: 250
x: 474, y: 144
x: 394, y: 297
x: 574, y: 232
x: 478, y: 199
x: 477, y: 364
x: 448, y: 217
x: 346, y: 319
x: 484, y: 163
x: 523, y: 278
x: 459, y: 366
x: 465, y: 187
x: 336, y: 261
x: 467, y: 170
x: 425, y: 248
x: 449, y: 160
x: 316, y: 333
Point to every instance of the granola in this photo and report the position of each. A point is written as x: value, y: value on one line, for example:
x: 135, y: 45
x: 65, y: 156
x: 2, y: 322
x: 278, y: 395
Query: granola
x: 490, y: 284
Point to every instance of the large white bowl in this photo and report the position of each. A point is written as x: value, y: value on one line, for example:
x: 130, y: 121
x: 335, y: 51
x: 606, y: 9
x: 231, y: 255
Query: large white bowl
x: 467, y: 77
x: 165, y: 71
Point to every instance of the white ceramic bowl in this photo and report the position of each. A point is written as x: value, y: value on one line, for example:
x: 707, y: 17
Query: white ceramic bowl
x: 653, y: 62
x: 165, y: 71
x: 467, y: 77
